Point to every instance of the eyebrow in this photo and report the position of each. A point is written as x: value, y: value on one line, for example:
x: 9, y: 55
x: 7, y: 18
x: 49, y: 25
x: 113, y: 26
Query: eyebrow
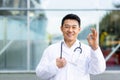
x: 70, y: 25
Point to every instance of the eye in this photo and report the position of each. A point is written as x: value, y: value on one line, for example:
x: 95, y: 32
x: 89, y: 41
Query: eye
x: 74, y: 27
x: 66, y: 26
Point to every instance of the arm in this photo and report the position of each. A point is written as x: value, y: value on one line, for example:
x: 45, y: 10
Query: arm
x: 97, y: 62
x: 46, y: 69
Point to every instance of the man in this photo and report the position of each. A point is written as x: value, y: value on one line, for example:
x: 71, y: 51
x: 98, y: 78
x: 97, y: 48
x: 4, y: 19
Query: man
x: 70, y: 59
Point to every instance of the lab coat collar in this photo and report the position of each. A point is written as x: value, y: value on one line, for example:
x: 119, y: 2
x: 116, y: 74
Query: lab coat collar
x: 74, y: 45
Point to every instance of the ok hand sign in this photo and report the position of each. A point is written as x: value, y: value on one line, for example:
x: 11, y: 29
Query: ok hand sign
x: 92, y: 39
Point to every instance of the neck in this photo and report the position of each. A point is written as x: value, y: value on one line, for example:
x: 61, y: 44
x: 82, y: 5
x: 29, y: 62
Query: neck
x: 69, y: 43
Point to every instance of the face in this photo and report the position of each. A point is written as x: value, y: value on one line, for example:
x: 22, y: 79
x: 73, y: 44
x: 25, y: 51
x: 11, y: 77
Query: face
x: 70, y: 29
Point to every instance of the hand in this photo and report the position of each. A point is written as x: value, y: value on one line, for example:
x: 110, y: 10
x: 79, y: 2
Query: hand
x: 60, y: 62
x: 92, y: 39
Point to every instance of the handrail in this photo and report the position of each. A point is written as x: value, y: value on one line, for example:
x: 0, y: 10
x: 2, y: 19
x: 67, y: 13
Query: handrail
x: 111, y: 53
x: 6, y: 46
x: 59, y: 9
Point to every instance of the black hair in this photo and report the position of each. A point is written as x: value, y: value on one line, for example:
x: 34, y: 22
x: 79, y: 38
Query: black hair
x: 71, y: 16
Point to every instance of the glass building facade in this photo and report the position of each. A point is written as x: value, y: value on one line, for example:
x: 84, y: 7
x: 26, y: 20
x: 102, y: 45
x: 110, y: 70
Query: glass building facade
x: 22, y: 35
x: 27, y: 27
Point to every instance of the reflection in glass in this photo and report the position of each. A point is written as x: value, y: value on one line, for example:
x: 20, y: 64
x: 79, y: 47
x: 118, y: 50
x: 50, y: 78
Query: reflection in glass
x: 13, y: 3
x: 110, y: 38
x: 13, y: 46
x: 14, y: 37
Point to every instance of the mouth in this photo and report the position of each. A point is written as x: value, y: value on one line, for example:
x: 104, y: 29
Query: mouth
x: 69, y: 35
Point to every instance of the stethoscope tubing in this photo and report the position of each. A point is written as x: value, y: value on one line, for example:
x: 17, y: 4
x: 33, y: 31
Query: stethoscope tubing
x: 61, y: 50
x: 74, y: 49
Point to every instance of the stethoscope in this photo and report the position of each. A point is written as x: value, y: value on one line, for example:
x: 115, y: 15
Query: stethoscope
x: 79, y: 47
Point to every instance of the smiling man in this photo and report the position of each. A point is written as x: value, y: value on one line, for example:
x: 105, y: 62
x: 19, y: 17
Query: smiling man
x: 70, y: 59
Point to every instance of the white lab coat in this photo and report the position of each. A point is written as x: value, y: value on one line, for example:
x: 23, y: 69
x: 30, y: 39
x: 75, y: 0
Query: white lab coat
x: 78, y: 67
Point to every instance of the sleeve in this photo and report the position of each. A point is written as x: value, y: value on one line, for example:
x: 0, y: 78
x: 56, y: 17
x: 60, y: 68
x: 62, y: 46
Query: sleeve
x: 46, y: 69
x: 97, y: 62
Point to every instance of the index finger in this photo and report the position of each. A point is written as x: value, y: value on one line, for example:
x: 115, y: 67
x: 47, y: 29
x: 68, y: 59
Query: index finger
x: 94, y: 32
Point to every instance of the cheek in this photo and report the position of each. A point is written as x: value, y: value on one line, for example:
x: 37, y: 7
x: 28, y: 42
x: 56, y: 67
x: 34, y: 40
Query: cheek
x: 64, y: 31
x: 78, y: 31
x: 76, y: 34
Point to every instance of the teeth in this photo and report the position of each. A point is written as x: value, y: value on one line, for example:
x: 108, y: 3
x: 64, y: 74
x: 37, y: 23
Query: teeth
x: 69, y: 35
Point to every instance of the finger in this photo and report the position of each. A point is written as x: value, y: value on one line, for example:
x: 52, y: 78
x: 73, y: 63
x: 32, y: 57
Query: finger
x: 89, y: 37
x: 94, y: 32
x: 64, y: 62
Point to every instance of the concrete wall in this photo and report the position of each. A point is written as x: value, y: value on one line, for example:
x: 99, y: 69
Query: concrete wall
x: 108, y: 75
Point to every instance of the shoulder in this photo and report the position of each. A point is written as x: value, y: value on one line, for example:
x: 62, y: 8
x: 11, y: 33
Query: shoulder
x: 86, y: 48
x: 52, y: 49
x: 83, y: 45
x: 53, y: 46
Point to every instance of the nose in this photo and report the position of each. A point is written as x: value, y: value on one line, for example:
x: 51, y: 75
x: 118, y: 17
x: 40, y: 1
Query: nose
x: 70, y: 29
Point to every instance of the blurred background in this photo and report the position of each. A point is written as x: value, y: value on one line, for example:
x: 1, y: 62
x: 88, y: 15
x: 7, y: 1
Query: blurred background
x: 27, y: 27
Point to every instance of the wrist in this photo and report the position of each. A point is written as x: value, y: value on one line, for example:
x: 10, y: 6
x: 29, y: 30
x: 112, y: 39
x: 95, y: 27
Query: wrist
x: 94, y: 47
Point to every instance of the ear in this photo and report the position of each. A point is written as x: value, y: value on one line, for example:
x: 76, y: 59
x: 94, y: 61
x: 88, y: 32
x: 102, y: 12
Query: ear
x: 79, y: 29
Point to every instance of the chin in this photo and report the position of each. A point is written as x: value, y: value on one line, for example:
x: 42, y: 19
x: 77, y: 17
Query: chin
x: 70, y: 39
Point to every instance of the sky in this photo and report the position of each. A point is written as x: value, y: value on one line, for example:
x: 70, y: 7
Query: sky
x: 87, y: 17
